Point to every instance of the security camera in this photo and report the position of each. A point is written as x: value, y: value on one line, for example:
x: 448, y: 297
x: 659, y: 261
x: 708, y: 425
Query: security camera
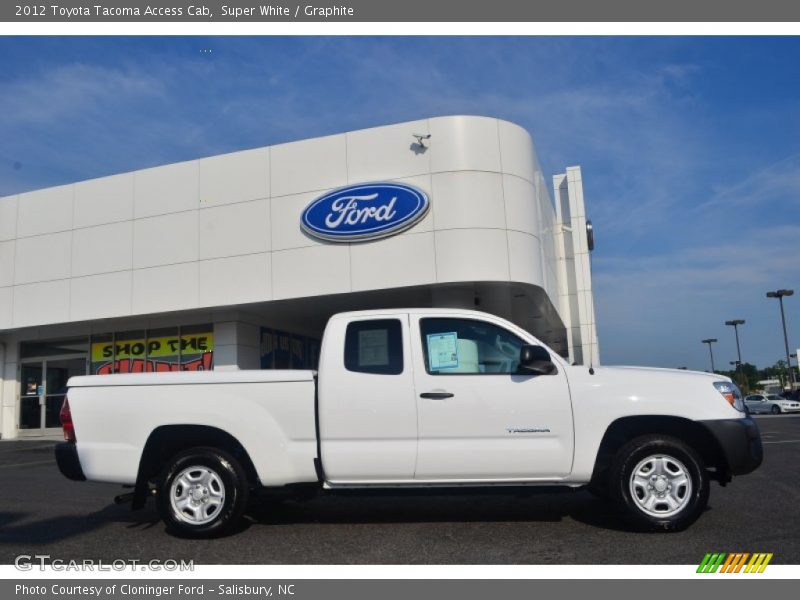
x: 420, y: 137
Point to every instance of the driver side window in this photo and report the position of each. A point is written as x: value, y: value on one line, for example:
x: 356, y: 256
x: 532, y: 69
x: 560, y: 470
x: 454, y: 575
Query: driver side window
x: 468, y: 347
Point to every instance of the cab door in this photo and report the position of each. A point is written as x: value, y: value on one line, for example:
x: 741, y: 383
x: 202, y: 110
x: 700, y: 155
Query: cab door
x: 480, y: 418
x: 367, y: 409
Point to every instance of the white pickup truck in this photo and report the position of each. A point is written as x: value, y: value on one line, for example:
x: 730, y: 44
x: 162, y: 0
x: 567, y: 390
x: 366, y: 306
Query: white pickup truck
x: 419, y: 397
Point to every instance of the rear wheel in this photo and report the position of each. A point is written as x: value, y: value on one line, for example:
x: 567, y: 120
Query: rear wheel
x: 203, y: 493
x: 661, y: 483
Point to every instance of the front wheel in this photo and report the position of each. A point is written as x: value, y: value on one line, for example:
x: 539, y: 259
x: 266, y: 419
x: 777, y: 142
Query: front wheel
x: 203, y: 493
x: 661, y: 483
x: 775, y: 410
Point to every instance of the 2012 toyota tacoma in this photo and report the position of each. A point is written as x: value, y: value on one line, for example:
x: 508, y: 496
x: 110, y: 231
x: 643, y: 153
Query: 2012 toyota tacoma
x: 411, y: 398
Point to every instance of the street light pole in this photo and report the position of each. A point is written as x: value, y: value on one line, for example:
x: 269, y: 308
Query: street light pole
x: 779, y: 294
x: 735, y: 324
x: 710, y: 341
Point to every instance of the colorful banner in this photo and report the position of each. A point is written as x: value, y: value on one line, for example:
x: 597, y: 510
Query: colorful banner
x: 160, y: 347
x: 140, y: 365
x: 190, y: 352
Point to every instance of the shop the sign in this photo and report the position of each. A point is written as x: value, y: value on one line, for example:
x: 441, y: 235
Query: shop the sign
x: 364, y: 212
x: 185, y: 353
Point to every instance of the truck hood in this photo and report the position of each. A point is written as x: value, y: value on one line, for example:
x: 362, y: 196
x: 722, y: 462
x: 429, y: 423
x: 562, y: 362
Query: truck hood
x: 660, y: 371
x: 648, y: 390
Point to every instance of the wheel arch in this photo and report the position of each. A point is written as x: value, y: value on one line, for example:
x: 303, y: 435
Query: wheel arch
x: 167, y: 440
x: 624, y: 429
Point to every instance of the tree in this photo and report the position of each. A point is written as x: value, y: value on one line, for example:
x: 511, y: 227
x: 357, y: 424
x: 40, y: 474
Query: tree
x: 777, y: 371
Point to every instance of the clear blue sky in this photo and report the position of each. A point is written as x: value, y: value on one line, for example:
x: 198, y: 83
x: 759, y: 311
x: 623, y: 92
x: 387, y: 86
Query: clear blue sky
x: 690, y: 147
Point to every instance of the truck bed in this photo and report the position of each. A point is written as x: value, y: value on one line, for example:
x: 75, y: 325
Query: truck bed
x: 270, y: 412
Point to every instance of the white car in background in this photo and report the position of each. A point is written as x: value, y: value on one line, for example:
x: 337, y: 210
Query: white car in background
x: 770, y: 403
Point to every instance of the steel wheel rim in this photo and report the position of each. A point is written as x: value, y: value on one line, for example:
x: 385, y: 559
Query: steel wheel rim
x: 197, y: 495
x: 660, y: 485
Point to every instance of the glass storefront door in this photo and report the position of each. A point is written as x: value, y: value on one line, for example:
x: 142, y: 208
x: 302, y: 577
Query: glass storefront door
x: 43, y: 387
x: 31, y: 396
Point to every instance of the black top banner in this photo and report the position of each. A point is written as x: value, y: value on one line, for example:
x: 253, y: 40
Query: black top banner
x: 462, y: 11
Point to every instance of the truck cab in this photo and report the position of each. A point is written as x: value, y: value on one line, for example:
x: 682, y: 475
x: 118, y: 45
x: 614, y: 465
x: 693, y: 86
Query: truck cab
x: 439, y: 396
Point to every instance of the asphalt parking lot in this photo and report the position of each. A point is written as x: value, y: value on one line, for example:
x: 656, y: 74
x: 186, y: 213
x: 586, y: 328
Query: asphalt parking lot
x: 41, y: 512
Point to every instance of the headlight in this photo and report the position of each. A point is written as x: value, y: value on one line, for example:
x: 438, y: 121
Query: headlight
x: 731, y: 392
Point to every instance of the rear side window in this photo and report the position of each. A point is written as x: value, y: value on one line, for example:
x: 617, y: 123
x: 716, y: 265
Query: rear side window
x: 374, y: 346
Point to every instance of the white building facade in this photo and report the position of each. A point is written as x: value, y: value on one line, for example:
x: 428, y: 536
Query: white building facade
x: 204, y: 264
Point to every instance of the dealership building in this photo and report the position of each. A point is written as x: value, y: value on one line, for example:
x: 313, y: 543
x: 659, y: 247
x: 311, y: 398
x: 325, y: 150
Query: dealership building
x: 236, y: 261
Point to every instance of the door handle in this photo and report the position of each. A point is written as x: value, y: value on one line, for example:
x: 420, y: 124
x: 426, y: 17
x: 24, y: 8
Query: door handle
x: 436, y: 395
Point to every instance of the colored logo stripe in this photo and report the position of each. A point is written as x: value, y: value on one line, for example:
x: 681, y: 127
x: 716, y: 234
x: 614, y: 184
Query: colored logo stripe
x: 758, y: 563
x: 711, y: 562
x: 735, y: 562
x: 738, y: 562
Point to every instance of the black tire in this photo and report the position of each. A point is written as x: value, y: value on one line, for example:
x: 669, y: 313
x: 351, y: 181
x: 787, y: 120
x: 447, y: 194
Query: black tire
x: 672, y: 449
x: 775, y: 410
x: 219, y: 518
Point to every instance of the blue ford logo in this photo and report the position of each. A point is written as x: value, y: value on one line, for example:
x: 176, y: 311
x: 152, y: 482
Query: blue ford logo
x: 364, y: 212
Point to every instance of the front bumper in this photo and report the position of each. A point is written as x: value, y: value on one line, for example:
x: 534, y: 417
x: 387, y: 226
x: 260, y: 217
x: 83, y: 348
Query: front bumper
x: 740, y: 442
x: 68, y: 462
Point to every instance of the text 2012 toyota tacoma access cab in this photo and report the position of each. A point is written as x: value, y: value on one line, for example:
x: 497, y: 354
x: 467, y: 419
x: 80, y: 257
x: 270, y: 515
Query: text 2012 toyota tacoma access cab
x: 421, y: 397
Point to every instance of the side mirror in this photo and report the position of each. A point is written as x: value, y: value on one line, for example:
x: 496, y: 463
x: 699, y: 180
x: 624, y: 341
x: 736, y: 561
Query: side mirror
x: 535, y: 360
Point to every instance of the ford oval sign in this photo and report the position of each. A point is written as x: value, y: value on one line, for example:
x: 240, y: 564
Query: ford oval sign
x: 364, y: 212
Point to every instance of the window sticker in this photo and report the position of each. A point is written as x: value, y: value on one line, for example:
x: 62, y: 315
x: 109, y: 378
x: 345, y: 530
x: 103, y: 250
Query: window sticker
x: 443, y: 351
x: 373, y: 347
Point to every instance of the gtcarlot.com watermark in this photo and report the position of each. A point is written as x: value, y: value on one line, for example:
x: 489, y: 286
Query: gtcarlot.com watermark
x: 44, y: 562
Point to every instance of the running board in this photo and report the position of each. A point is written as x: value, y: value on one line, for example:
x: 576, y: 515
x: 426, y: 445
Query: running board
x: 422, y: 485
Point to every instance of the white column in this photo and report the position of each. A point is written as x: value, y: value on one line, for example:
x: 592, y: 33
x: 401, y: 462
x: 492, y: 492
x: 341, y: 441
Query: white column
x: 576, y: 301
x: 8, y: 389
x: 236, y: 346
x: 582, y: 268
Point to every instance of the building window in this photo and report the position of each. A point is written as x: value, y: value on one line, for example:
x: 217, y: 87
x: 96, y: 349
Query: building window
x: 196, y: 348
x: 102, y: 354
x: 189, y: 348
x: 284, y: 350
x: 374, y: 346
